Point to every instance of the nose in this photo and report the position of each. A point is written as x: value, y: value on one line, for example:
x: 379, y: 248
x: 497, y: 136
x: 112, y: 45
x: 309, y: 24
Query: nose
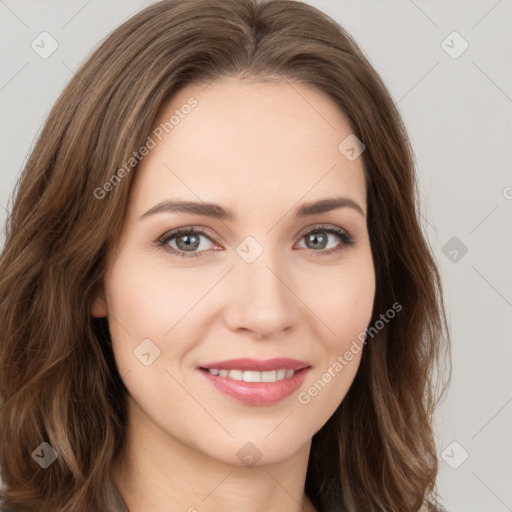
x: 261, y: 298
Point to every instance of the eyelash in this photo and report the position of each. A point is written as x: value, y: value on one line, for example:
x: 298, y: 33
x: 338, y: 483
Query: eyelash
x: 162, y: 242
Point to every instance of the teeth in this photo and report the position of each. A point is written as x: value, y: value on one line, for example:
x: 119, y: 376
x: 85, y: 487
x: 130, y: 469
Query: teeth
x: 254, y: 376
x: 248, y: 376
x: 235, y: 374
x: 269, y: 376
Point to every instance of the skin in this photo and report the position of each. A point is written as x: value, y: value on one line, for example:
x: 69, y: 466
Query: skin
x: 260, y: 149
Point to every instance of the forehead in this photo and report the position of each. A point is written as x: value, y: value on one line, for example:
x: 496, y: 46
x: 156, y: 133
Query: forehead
x: 248, y: 144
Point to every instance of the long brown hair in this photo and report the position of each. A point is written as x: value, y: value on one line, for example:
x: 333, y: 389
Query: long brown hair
x: 58, y: 381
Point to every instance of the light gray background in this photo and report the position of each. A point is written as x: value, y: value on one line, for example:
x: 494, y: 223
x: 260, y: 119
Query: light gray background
x: 459, y: 115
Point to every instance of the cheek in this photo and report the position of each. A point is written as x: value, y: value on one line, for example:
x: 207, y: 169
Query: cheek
x: 343, y: 313
x: 149, y: 301
x: 141, y: 307
x: 152, y: 299
x: 148, y: 312
x: 342, y: 301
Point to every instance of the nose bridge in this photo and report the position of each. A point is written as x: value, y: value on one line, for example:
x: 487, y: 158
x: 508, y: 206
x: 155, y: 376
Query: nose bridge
x: 261, y: 301
x: 263, y: 282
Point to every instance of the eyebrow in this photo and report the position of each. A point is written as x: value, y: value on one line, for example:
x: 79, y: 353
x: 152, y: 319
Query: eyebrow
x: 218, y: 212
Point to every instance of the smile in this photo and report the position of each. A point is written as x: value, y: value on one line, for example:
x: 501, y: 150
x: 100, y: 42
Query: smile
x: 254, y: 382
x: 254, y: 376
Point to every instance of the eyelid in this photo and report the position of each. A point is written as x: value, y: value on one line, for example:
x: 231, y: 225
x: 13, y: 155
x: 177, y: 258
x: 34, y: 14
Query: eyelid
x: 319, y: 227
x: 186, y: 229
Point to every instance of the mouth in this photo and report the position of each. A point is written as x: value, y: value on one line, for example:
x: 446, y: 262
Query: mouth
x: 256, y: 382
x: 253, y: 375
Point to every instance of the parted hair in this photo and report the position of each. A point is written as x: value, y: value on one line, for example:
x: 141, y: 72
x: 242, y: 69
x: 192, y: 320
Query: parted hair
x: 58, y: 380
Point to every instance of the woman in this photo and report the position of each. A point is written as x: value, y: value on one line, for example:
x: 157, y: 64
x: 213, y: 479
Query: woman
x: 215, y: 291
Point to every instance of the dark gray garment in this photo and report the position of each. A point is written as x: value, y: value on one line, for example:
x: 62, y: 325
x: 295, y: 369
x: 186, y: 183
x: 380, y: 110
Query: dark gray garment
x: 120, y: 505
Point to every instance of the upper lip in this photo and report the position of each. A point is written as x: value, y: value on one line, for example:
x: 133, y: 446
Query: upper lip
x: 261, y: 365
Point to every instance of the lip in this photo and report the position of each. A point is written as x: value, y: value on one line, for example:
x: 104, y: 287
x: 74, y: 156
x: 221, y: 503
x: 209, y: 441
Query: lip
x: 259, y: 365
x: 257, y: 393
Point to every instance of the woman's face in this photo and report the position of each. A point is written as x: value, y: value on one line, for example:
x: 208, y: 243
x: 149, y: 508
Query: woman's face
x: 258, y: 284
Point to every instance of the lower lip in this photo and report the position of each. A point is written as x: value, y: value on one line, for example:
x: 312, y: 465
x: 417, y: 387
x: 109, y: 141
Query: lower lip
x: 258, y: 393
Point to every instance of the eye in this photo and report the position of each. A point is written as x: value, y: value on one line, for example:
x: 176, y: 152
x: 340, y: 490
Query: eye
x: 318, y: 240
x: 187, y: 242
